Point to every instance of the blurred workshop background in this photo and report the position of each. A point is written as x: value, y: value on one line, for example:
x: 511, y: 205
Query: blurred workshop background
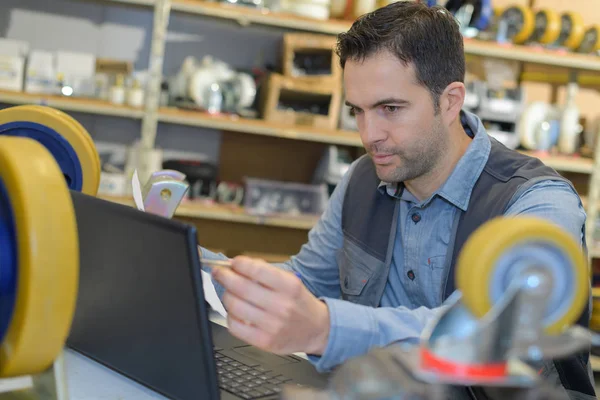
x: 245, y: 98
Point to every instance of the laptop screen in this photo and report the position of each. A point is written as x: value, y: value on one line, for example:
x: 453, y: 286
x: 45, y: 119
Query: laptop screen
x: 140, y: 308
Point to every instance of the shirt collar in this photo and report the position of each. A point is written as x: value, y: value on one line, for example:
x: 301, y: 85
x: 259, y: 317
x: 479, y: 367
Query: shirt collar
x: 459, y: 185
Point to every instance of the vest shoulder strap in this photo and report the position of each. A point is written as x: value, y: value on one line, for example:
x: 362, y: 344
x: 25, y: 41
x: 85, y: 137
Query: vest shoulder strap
x: 367, y: 212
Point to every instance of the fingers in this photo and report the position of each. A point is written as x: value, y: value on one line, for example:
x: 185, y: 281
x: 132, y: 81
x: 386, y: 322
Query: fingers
x: 244, y: 311
x: 267, y: 275
x: 245, y: 289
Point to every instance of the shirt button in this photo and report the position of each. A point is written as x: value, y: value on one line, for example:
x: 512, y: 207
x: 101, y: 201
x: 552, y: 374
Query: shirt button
x: 416, y: 217
x: 411, y: 275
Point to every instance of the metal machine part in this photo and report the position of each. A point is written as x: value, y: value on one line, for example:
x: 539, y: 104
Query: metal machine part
x: 230, y: 193
x: 538, y: 126
x: 498, y: 107
x: 522, y: 283
x: 473, y: 15
x: 570, y: 129
x: 213, y: 86
x: 163, y: 192
x: 332, y: 166
x: 202, y: 177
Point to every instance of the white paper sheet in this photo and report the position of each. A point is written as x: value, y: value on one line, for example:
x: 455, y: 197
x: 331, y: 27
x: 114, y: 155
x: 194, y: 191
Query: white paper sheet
x: 210, y: 294
x: 137, y: 191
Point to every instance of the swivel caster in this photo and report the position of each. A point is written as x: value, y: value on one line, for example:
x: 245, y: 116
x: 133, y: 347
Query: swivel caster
x: 65, y: 138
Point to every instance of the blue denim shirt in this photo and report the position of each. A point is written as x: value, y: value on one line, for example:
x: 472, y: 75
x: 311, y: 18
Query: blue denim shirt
x: 410, y: 299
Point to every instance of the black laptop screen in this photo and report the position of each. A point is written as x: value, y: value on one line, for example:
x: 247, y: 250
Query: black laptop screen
x: 140, y: 309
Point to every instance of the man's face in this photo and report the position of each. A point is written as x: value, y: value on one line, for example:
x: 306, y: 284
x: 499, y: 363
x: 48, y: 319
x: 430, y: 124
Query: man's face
x: 396, y: 117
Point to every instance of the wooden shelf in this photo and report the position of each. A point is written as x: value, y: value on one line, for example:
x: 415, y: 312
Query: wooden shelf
x: 147, y: 3
x: 230, y: 214
x: 565, y: 163
x: 247, y: 15
x: 91, y: 106
x: 257, y: 127
x: 531, y: 54
x: 595, y: 361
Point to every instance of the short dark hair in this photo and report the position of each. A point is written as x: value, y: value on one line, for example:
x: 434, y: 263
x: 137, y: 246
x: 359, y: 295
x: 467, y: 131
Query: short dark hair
x: 426, y: 37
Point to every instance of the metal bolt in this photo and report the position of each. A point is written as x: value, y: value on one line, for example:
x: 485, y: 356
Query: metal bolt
x: 165, y: 194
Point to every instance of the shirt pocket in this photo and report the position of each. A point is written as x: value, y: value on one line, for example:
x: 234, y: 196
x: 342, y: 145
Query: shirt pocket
x: 353, y: 276
x: 437, y: 271
x: 354, y: 273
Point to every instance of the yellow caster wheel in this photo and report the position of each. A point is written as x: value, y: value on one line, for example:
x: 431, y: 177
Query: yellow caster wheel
x: 591, y: 40
x: 500, y: 249
x: 572, y: 30
x: 39, y: 257
x: 67, y: 141
x: 520, y: 23
x: 547, y: 27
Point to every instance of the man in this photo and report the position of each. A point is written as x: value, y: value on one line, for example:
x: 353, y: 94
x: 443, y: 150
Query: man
x: 380, y: 261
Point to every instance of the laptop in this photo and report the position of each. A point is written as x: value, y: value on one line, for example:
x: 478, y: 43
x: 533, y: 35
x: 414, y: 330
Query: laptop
x: 141, y: 312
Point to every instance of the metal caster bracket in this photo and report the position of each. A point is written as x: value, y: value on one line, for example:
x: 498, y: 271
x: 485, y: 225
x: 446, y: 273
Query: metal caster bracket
x: 47, y: 385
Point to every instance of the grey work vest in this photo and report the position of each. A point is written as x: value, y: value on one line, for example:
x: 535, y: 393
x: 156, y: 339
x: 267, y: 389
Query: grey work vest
x: 369, y: 222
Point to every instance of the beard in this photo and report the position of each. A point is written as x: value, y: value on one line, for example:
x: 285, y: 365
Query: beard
x: 411, y: 163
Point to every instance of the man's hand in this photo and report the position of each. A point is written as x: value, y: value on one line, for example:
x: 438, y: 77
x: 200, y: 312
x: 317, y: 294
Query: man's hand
x: 271, y: 309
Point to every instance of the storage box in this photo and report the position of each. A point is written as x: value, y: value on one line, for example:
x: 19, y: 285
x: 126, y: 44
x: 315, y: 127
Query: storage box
x: 12, y: 70
x: 291, y: 101
x: 311, y: 57
x: 40, y: 76
x: 265, y: 197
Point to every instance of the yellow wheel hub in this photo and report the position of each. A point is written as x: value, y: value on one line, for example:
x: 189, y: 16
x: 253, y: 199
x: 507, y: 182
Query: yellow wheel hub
x: 483, y: 260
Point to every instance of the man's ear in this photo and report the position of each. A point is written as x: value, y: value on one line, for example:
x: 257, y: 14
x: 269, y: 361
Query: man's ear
x: 451, y: 102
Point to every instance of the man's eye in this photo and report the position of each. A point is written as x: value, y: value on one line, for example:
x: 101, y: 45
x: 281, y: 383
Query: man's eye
x: 391, y: 109
x: 353, y: 111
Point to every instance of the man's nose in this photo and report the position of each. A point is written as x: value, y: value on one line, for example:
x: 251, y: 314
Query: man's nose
x: 370, y: 130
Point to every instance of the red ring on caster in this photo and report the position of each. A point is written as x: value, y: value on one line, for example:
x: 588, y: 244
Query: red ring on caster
x: 431, y: 362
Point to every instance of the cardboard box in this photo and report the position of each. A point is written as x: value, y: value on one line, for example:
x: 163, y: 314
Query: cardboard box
x: 311, y: 57
x: 291, y: 101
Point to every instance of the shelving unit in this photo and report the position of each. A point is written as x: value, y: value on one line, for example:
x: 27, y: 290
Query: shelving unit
x: 91, y: 106
x: 230, y: 213
x: 262, y: 131
x: 257, y: 127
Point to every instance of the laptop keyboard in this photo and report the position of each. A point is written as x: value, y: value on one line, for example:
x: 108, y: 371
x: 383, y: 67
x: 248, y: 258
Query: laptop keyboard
x: 247, y: 381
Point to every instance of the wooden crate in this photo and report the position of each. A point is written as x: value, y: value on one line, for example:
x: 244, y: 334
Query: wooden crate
x: 292, y: 101
x: 297, y: 45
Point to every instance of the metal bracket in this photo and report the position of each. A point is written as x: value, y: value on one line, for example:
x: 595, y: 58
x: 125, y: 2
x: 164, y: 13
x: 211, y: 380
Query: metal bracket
x: 163, y: 192
x: 47, y: 385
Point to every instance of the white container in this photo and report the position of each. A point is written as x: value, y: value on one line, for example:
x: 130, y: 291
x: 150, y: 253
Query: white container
x: 12, y: 71
x: 117, y: 92
x: 40, y: 75
x: 135, y: 95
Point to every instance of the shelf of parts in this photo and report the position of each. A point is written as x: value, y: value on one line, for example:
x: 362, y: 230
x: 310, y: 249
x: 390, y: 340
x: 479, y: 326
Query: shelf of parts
x: 234, y: 123
x: 229, y: 213
x: 565, y: 163
x: 190, y: 118
x: 237, y: 124
x: 84, y: 105
x: 247, y: 15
